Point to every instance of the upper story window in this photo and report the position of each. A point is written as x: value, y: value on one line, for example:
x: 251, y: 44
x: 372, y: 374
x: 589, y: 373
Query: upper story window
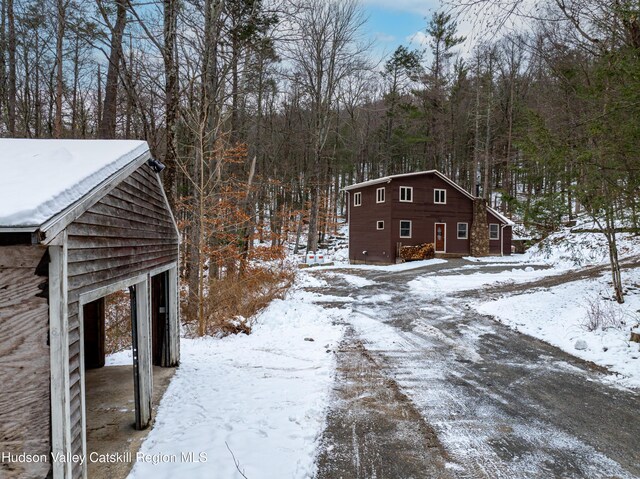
x: 357, y: 199
x: 405, y: 229
x: 406, y: 194
x: 494, y: 231
x: 380, y: 225
x: 440, y: 196
x: 463, y: 230
x: 380, y: 195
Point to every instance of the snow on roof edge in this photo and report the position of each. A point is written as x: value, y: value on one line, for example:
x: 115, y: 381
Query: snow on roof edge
x: 33, y: 218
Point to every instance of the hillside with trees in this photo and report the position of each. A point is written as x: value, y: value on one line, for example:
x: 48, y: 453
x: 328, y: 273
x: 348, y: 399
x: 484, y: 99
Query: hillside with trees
x: 264, y: 110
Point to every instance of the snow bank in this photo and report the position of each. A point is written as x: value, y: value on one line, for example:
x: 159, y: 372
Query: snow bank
x: 40, y: 178
x: 558, y: 316
x: 264, y: 396
x: 570, y: 248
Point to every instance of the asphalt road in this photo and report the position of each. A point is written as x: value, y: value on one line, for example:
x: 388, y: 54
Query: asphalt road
x: 434, y: 389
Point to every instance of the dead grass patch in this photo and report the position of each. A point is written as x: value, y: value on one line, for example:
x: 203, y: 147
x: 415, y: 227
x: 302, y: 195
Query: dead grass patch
x: 233, y: 302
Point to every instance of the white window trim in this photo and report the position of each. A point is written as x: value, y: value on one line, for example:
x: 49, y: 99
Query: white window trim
x: 466, y: 235
x: 497, y: 238
x: 378, y: 224
x: 357, y: 199
x: 435, y: 232
x: 410, y: 188
x: 384, y: 195
x: 435, y: 193
x: 410, y: 228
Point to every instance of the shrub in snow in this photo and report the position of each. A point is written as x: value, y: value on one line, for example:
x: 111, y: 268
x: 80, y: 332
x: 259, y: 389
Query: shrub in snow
x: 232, y: 302
x: 603, y: 315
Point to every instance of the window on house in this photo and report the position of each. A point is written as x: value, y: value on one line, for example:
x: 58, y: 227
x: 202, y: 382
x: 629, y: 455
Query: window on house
x: 357, y: 199
x: 406, y: 194
x: 380, y: 195
x: 380, y: 225
x: 440, y: 196
x: 405, y: 229
x: 463, y: 230
x: 494, y: 231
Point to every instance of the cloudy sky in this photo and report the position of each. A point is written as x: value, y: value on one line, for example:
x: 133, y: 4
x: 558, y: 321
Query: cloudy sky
x: 402, y: 22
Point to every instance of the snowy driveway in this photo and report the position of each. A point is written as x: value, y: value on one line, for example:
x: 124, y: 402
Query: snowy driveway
x: 476, y: 399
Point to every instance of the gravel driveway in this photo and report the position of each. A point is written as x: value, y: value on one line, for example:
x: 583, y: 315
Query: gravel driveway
x: 434, y: 389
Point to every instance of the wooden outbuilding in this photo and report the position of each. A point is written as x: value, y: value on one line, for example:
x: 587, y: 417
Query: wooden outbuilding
x: 424, y: 207
x: 79, y: 220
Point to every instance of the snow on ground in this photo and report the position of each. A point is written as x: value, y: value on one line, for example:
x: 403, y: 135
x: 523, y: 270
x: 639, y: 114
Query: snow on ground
x: 435, y: 285
x: 559, y: 316
x: 579, y: 246
x: 356, y: 281
x: 389, y: 267
x: 121, y: 358
x: 262, y: 397
x: 52, y: 174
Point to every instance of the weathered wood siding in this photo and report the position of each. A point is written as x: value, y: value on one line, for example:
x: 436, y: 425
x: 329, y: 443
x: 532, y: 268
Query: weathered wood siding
x: 24, y: 359
x: 127, y: 233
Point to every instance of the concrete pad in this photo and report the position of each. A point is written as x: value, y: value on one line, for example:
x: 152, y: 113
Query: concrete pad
x: 111, y: 418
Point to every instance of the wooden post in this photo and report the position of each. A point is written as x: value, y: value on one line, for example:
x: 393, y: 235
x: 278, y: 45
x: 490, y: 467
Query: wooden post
x: 143, y: 369
x: 174, y: 317
x: 59, y: 347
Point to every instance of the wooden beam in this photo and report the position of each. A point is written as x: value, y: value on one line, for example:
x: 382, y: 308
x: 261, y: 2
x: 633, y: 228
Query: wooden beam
x: 59, y: 351
x: 144, y: 380
x: 174, y: 317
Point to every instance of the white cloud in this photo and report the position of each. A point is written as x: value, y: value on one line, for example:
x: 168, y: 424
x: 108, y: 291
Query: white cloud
x: 419, y: 39
x: 384, y: 37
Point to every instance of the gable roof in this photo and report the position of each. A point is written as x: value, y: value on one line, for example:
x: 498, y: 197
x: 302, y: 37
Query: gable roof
x: 388, y: 179
x: 43, y: 180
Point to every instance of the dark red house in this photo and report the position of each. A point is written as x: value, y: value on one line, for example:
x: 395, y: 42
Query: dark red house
x: 422, y: 207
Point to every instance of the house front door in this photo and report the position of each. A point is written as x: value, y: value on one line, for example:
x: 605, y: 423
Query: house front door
x: 441, y: 239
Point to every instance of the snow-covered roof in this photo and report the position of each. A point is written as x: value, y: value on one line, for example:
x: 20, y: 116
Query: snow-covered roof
x: 388, y: 179
x: 41, y: 178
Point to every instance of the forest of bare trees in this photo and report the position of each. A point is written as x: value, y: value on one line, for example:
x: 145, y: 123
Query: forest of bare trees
x: 263, y: 110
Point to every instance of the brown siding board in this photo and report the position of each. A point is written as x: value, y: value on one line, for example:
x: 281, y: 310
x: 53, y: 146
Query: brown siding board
x: 85, y: 242
x: 422, y: 212
x: 91, y: 230
x: 91, y: 254
x: 363, y: 235
x: 107, y: 209
x: 24, y: 360
x: 119, y: 199
x: 91, y: 279
x: 137, y: 205
x: 84, y: 267
x: 141, y: 183
x: 120, y: 222
x: 141, y: 198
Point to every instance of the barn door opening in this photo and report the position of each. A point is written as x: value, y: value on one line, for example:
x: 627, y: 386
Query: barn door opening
x: 161, y: 328
x: 441, y: 238
x: 94, y: 334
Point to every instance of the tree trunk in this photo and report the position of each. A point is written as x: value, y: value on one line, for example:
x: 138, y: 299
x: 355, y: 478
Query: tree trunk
x: 11, y: 100
x: 57, y: 127
x: 107, y: 127
x: 171, y: 98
